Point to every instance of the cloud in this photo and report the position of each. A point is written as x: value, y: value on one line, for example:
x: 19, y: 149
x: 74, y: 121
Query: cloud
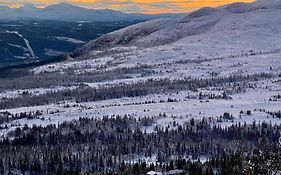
x: 144, y: 6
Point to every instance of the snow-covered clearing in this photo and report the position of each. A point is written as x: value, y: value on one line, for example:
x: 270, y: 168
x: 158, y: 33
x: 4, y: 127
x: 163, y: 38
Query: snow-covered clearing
x: 181, y: 110
x: 72, y: 40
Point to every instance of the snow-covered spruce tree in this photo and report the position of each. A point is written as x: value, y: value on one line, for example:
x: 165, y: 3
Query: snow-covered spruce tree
x: 266, y: 160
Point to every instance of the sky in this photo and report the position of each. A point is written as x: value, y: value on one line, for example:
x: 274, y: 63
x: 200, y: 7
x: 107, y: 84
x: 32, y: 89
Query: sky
x: 131, y: 6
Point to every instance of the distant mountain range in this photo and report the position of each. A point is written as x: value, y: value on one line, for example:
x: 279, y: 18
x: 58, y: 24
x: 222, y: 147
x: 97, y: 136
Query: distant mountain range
x: 68, y: 12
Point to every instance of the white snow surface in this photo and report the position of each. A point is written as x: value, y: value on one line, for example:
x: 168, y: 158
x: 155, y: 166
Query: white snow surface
x: 68, y: 39
x: 234, y: 39
x: 235, y: 26
x: 256, y: 100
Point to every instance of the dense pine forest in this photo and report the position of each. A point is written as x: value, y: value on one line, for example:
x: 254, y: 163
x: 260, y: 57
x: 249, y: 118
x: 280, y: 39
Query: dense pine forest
x: 121, y: 145
x: 128, y: 144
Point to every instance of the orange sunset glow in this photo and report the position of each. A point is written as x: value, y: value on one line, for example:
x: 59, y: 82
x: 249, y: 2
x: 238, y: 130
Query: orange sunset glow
x: 142, y: 6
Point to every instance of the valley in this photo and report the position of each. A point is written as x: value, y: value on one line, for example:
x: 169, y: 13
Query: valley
x: 197, y: 94
x: 34, y: 41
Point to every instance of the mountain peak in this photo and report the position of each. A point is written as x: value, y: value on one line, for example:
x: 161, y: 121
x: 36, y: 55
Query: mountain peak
x: 256, y: 5
x: 203, y: 22
x: 63, y: 6
x: 268, y: 3
x: 28, y: 7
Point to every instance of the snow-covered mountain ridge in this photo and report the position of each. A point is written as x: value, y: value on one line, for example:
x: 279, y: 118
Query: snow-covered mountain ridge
x: 253, y: 26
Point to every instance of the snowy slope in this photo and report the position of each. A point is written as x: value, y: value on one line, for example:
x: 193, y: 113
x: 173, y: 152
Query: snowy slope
x: 255, y: 26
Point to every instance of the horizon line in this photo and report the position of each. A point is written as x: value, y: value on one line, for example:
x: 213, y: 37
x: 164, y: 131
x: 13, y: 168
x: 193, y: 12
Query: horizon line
x: 43, y: 6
